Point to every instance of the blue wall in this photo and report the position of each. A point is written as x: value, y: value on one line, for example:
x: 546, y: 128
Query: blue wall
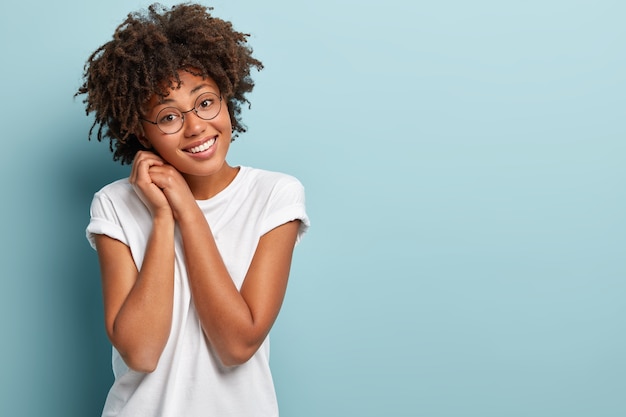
x: 464, y: 165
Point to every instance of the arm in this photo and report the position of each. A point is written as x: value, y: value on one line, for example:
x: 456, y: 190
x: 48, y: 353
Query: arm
x: 138, y: 304
x: 237, y: 322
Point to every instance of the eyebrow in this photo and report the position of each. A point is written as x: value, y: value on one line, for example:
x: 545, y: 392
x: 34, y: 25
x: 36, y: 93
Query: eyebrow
x: 193, y: 91
x: 198, y: 88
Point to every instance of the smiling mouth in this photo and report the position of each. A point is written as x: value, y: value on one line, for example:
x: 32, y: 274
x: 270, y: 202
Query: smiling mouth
x: 200, y: 148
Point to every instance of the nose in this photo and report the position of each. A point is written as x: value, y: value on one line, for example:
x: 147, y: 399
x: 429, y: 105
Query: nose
x: 193, y: 124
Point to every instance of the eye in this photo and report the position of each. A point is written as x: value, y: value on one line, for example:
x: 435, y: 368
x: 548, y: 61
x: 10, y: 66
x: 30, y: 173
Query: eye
x: 205, y: 103
x: 168, y: 116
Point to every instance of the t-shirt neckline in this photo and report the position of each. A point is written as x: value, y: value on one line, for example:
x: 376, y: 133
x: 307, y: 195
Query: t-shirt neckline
x: 228, y: 189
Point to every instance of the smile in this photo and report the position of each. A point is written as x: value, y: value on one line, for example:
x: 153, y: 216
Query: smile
x: 203, y: 147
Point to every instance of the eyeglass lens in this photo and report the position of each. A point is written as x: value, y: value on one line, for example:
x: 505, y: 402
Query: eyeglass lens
x: 171, y: 119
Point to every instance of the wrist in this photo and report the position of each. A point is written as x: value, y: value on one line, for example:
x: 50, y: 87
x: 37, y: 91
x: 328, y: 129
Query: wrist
x: 188, y: 214
x: 190, y: 219
x: 163, y: 217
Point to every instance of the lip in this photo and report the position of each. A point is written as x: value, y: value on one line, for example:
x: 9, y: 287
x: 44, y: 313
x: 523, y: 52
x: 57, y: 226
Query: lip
x: 203, y: 154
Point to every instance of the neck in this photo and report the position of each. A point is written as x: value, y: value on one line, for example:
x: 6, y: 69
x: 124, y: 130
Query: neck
x: 205, y: 187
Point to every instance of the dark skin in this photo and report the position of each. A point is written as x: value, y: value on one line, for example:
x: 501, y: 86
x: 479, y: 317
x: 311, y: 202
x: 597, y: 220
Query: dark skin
x: 169, y: 178
x: 142, y: 61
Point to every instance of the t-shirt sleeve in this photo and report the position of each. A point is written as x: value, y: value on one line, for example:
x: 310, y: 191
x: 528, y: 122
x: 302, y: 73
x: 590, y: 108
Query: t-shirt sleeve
x: 104, y: 220
x: 286, y: 203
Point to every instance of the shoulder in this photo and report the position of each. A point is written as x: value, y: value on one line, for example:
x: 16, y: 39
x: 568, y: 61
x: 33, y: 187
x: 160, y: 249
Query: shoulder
x: 274, y: 188
x: 119, y: 188
x: 269, y: 188
x: 279, y: 197
x: 268, y: 180
x: 118, y: 195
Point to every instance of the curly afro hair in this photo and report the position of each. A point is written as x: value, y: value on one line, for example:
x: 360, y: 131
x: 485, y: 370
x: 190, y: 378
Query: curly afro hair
x: 143, y: 59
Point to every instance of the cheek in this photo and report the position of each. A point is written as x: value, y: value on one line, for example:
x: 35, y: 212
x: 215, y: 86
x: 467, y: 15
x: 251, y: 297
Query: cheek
x: 150, y: 136
x: 227, y: 125
x: 225, y: 116
x: 162, y: 146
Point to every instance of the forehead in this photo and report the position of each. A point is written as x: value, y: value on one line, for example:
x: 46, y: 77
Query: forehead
x: 187, y: 87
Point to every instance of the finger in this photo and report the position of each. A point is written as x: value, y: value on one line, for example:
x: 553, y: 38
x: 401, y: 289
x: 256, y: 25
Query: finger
x: 141, y: 164
x: 164, y: 176
x: 146, y: 156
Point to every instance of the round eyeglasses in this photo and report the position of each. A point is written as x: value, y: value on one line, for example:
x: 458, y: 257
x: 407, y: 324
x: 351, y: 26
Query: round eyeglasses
x: 170, y: 119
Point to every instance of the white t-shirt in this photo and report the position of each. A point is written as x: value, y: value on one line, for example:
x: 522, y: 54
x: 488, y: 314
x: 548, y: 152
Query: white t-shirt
x: 189, y: 380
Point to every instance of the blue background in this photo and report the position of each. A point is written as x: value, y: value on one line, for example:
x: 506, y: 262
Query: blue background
x: 464, y: 167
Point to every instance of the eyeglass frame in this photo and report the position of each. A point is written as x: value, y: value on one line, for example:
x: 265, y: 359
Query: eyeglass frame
x: 182, y: 113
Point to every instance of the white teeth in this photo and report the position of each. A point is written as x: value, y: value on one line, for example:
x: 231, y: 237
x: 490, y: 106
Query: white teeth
x: 206, y: 145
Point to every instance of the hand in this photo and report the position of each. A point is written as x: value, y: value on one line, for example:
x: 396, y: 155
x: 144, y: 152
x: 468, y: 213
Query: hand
x: 148, y: 191
x: 160, y: 185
